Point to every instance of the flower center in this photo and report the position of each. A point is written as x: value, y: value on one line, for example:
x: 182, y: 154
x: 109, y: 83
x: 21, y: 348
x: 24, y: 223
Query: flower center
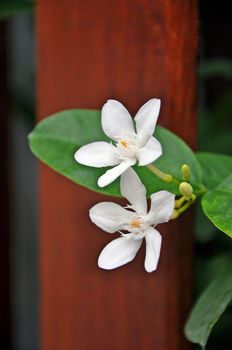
x: 135, y: 223
x: 127, y: 147
x: 124, y: 143
x: 136, y: 227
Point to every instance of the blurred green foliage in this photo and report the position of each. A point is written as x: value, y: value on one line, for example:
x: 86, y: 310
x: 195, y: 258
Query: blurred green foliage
x: 215, y: 68
x: 9, y: 8
x: 214, y: 133
x: 213, y: 249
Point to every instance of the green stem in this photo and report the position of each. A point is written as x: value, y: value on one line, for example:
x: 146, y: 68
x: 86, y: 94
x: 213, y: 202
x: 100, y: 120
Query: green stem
x: 179, y: 202
x: 185, y: 207
x: 177, y: 212
x: 163, y: 176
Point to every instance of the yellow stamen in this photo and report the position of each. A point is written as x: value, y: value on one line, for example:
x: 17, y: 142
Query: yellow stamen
x: 124, y: 143
x: 135, y: 223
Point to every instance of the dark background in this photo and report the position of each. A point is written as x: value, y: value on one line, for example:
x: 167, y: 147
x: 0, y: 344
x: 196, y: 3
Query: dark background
x: 19, y: 296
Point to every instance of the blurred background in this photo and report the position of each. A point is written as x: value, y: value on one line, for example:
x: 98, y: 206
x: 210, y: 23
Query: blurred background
x: 19, y: 288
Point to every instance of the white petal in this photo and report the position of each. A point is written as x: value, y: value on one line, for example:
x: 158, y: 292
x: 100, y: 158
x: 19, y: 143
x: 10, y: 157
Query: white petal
x: 146, y: 119
x: 118, y: 252
x: 150, y: 152
x: 97, y: 154
x: 116, y: 120
x: 162, y: 205
x: 134, y: 191
x: 153, y: 245
x: 114, y: 173
x: 109, y: 216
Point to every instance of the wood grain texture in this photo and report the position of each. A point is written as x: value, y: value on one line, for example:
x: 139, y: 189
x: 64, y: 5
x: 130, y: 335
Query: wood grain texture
x: 90, y: 51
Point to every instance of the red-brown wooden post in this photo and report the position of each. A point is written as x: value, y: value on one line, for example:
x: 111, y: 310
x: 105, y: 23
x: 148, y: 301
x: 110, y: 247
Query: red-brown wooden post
x: 89, y: 51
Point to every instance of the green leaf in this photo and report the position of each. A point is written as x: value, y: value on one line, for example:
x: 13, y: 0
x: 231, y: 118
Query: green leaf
x: 216, y: 168
x: 216, y: 205
x: 210, y: 306
x: 14, y: 7
x: 55, y: 140
x: 212, y: 68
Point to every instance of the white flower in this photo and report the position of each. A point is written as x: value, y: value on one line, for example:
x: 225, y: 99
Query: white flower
x: 135, y: 219
x: 129, y: 146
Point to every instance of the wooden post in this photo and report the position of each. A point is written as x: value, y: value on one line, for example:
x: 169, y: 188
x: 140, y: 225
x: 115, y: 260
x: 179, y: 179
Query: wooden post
x: 89, y: 51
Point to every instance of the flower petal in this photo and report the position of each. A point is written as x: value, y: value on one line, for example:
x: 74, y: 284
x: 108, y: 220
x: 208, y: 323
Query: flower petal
x: 162, y: 205
x: 118, y: 252
x: 116, y: 120
x: 146, y: 119
x: 110, y: 216
x: 112, y: 174
x: 153, y: 245
x: 134, y: 191
x: 97, y: 154
x: 150, y: 152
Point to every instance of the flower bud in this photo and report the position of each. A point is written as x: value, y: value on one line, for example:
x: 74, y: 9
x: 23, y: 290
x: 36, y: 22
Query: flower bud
x: 186, y: 189
x: 185, y: 170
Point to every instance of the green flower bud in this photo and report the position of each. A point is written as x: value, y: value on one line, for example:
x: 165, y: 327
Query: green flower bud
x: 185, y: 170
x: 186, y: 189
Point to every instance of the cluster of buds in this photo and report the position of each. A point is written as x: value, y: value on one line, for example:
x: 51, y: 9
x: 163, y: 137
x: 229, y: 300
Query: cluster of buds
x: 186, y: 191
